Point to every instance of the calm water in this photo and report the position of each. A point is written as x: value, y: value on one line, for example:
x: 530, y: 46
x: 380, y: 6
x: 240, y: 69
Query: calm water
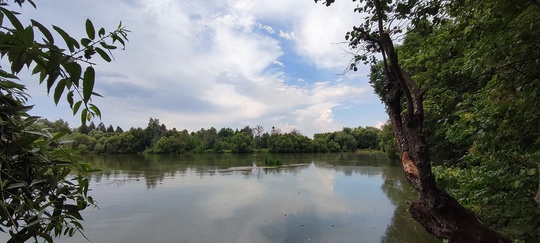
x: 189, y: 198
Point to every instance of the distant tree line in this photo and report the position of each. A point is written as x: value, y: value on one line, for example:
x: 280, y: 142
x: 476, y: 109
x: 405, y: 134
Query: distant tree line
x: 157, y: 139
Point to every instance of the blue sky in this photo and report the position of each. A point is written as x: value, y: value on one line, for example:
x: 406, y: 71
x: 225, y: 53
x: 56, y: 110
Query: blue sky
x: 230, y: 63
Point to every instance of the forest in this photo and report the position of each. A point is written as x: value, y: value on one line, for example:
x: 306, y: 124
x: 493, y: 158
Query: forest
x: 157, y: 139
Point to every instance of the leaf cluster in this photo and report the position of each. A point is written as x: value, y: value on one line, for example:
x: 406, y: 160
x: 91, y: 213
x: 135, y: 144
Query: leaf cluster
x: 39, y: 196
x: 43, y: 184
x: 65, y: 68
x: 480, y: 70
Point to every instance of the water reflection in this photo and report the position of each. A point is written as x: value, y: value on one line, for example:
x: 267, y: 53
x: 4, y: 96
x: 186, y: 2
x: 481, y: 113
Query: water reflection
x: 185, y: 198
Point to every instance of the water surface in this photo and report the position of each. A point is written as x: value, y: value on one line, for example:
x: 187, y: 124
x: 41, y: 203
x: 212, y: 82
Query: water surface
x: 188, y: 198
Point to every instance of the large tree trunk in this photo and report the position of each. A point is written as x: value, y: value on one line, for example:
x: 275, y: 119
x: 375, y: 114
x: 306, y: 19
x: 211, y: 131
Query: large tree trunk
x: 438, y: 212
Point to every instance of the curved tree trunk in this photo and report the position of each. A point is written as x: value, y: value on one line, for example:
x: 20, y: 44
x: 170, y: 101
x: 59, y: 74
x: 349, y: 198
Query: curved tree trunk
x: 438, y: 212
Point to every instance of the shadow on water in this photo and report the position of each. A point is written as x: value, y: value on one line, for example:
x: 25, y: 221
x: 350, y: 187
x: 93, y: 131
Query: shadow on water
x: 154, y: 169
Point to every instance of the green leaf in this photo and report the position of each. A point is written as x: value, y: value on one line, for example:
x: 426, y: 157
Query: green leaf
x: 74, y: 70
x: 84, y: 116
x: 96, y: 94
x: 86, y: 42
x: 59, y: 135
x: 76, y: 107
x: 16, y: 185
x: 44, y: 31
x: 60, y: 86
x: 70, y: 42
x: 51, y: 79
x: 88, y: 83
x: 69, y: 98
x: 28, y: 36
x: 5, y: 74
x: 103, y: 54
x: 101, y: 32
x: 116, y: 38
x: 106, y: 46
x: 12, y: 18
x: 90, y: 31
x: 95, y: 110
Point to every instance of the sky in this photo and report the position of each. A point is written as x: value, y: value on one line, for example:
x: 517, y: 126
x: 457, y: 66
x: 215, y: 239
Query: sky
x: 228, y: 63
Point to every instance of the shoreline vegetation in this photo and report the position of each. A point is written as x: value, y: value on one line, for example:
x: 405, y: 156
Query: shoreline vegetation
x: 156, y: 138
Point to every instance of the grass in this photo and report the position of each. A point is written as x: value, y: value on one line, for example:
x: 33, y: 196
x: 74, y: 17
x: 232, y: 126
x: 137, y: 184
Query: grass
x: 271, y: 162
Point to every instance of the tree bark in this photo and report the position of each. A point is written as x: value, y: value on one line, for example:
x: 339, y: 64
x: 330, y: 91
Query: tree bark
x: 438, y: 212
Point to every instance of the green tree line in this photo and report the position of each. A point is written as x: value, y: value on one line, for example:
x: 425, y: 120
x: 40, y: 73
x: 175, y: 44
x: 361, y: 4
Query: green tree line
x: 156, y: 138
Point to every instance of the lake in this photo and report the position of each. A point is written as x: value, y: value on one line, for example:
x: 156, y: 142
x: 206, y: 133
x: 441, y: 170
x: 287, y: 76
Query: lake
x: 196, y: 198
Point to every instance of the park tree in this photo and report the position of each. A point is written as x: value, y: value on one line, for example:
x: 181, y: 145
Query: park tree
x: 39, y: 202
x: 372, y: 42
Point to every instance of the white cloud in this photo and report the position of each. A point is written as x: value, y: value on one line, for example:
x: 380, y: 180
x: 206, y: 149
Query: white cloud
x: 326, y: 116
x: 195, y: 64
x: 268, y: 28
x: 287, y: 35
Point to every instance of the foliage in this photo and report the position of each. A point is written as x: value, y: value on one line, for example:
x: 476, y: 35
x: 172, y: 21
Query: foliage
x: 38, y: 199
x: 241, y: 143
x: 480, y: 70
x: 388, y: 142
x: 271, y: 162
x: 291, y: 143
x: 157, y: 139
x: 41, y: 199
x: 500, y: 193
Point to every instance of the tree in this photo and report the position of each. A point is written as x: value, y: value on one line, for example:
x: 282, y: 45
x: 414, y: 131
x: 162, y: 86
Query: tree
x: 438, y: 212
x: 388, y: 142
x: 258, y: 131
x: 153, y: 132
x: 241, y: 143
x: 346, y: 141
x: 366, y: 138
x: 38, y: 201
x: 55, y: 126
x: 84, y: 129
x: 91, y: 127
x: 481, y: 119
x: 101, y: 127
x: 247, y: 130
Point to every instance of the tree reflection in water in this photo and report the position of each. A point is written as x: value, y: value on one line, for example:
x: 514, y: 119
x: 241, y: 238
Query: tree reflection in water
x: 154, y: 169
